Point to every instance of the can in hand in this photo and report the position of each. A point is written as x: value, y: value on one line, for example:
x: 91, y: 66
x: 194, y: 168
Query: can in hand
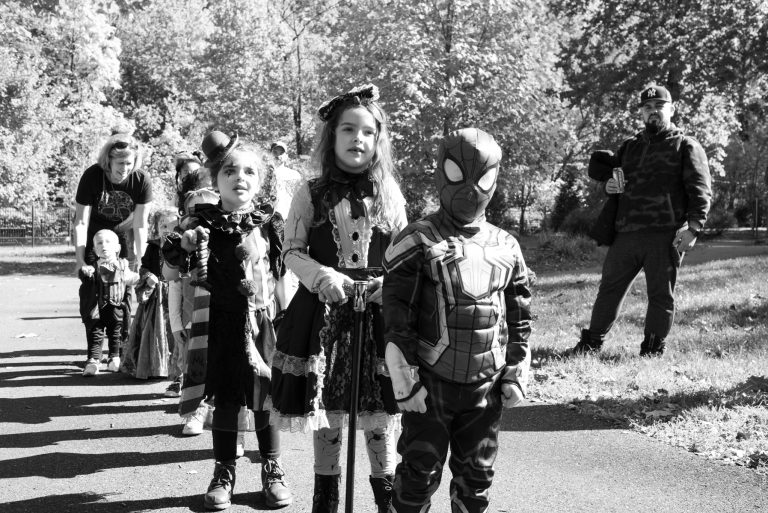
x: 618, y: 176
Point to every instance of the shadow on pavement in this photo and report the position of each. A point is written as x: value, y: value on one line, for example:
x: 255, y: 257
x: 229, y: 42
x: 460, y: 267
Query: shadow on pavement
x: 70, y: 377
x: 45, y: 438
x: 38, y: 410
x: 34, y: 353
x: 536, y: 417
x: 67, y: 465
x: 97, y: 503
x: 40, y: 363
x: 50, y: 318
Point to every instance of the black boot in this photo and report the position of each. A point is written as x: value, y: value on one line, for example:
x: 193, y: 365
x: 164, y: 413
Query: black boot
x: 652, y: 345
x: 326, y: 496
x: 382, y: 492
x: 219, y: 494
x: 586, y: 344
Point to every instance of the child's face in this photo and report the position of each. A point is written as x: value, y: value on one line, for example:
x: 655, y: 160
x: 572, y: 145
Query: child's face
x: 187, y: 169
x: 238, y: 180
x: 106, y: 246
x: 355, y: 142
x: 120, y: 168
x: 166, y: 224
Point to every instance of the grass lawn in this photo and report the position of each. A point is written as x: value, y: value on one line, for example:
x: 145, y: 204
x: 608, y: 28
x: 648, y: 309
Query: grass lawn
x: 709, y: 392
x: 55, y: 259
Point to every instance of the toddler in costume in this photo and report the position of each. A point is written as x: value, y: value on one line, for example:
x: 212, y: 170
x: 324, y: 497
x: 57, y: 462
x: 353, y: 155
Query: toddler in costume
x: 149, y: 345
x: 110, y: 279
x: 337, y: 230
x: 230, y: 241
x: 457, y: 314
x: 190, y: 177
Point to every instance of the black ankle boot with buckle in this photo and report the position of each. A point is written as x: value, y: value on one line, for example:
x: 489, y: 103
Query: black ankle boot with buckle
x: 652, y: 345
x: 382, y: 492
x: 276, y: 492
x: 219, y: 494
x: 326, y: 496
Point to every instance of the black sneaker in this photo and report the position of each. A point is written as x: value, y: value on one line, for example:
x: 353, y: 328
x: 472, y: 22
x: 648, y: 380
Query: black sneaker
x: 174, y: 389
x: 586, y: 345
x: 652, y: 345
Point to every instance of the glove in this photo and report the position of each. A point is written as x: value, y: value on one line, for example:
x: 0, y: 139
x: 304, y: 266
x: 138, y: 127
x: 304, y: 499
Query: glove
x: 513, y: 381
x: 684, y: 240
x: 410, y: 394
x: 512, y: 395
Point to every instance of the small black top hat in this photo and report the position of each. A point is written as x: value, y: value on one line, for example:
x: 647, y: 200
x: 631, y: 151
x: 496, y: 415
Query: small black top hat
x: 217, y: 146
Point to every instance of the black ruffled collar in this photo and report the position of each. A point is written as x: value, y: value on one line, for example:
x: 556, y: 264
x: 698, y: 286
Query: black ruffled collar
x: 233, y: 222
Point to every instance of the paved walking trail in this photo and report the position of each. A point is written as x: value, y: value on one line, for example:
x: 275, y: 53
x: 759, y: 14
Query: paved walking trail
x: 113, y: 443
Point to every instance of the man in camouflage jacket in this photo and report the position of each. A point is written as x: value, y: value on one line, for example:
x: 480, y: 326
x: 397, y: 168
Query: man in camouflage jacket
x: 662, y: 207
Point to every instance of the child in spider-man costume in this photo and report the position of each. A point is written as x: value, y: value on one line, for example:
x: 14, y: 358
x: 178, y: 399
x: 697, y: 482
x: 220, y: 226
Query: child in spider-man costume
x: 457, y: 319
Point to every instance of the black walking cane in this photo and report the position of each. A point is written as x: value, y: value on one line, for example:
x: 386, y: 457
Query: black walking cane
x: 358, y: 336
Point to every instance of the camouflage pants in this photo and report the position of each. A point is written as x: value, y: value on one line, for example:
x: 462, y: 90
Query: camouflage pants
x: 630, y: 253
x: 464, y: 417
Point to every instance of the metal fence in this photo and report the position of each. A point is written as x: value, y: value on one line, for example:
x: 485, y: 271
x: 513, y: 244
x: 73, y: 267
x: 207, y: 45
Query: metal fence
x: 29, y: 225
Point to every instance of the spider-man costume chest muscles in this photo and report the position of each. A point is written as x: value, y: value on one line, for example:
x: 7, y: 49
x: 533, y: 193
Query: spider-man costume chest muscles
x: 462, y: 328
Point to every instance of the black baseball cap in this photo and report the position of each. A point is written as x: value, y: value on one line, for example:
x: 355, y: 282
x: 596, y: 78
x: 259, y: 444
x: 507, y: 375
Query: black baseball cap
x: 655, y: 92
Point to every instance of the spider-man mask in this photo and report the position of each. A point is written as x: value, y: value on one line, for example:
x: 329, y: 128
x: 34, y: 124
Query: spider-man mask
x: 467, y: 167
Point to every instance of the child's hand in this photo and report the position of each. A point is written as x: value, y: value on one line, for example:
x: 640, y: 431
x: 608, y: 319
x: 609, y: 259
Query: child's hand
x: 410, y: 394
x: 374, y: 290
x: 512, y: 395
x: 86, y: 271
x: 333, y: 290
x: 152, y: 280
x: 189, y: 241
x: 417, y: 403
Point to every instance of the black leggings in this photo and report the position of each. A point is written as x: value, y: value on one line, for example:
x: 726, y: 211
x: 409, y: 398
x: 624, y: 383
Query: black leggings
x: 225, y: 442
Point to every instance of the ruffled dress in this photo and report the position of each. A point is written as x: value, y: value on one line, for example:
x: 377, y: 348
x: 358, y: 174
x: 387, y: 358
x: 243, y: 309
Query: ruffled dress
x: 234, y: 320
x: 146, y: 350
x: 312, y: 368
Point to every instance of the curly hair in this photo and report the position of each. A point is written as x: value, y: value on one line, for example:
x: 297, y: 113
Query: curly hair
x: 156, y: 217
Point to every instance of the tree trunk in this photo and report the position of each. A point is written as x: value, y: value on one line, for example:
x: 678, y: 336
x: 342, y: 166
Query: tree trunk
x: 523, y: 206
x: 297, y: 105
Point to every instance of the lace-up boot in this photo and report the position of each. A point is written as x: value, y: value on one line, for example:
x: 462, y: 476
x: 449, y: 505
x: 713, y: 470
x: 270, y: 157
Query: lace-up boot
x: 276, y: 491
x: 219, y: 494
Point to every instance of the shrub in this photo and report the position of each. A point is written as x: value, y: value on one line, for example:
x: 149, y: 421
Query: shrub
x: 564, y: 247
x: 578, y: 221
x: 720, y: 220
x: 566, y: 202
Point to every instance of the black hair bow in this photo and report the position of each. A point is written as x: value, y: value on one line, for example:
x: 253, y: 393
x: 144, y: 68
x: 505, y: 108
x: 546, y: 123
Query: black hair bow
x: 361, y: 95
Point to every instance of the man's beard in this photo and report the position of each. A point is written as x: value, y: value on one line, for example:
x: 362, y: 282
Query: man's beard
x: 653, y: 126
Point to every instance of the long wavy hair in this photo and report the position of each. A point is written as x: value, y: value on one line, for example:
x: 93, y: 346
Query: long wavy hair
x: 388, y: 198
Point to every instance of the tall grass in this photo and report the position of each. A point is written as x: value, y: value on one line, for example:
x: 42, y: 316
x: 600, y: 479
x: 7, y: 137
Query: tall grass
x: 709, y: 391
